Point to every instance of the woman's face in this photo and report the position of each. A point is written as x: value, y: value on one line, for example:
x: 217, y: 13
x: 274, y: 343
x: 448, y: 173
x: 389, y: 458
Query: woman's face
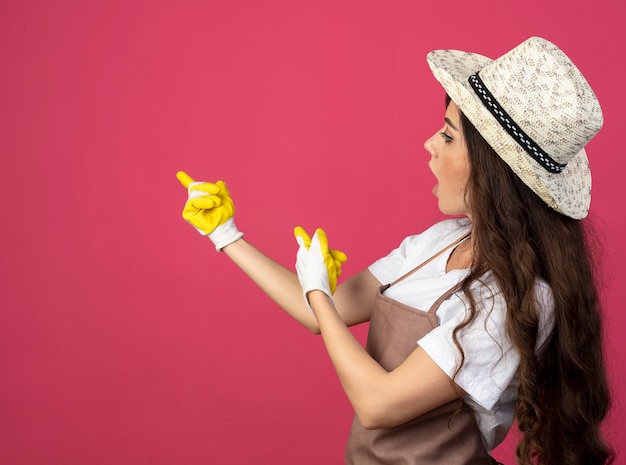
x: 449, y: 162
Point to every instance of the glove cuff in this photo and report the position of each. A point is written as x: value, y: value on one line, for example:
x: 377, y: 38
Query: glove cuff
x: 315, y: 288
x: 225, y: 234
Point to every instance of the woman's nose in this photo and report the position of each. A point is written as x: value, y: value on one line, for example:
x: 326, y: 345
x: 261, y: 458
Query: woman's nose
x: 429, y: 145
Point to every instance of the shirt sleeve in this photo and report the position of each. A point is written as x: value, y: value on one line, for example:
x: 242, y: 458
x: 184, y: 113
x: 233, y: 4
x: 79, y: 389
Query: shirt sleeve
x: 388, y: 268
x: 489, y: 361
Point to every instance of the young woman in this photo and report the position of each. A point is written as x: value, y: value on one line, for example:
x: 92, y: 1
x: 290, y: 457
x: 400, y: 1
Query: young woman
x: 475, y: 321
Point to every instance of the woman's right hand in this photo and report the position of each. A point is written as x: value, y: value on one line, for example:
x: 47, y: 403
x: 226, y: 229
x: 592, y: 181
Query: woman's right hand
x: 316, y: 251
x: 210, y: 210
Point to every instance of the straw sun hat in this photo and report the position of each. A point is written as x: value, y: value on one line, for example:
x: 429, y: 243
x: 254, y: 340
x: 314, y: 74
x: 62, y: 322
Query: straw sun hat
x: 535, y: 109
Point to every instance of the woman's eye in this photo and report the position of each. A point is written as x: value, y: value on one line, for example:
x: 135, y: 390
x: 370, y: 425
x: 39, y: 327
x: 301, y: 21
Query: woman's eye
x: 446, y: 137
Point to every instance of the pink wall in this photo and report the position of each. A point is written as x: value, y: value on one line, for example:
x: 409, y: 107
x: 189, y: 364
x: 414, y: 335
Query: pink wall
x: 124, y: 337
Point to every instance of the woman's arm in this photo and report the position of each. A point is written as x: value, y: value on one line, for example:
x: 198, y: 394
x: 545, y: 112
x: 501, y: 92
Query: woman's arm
x: 354, y: 297
x: 279, y: 283
x: 210, y: 210
x: 380, y: 399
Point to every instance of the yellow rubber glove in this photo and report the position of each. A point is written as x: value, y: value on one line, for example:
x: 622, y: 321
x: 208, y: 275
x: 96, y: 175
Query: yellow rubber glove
x: 210, y: 209
x: 318, y: 266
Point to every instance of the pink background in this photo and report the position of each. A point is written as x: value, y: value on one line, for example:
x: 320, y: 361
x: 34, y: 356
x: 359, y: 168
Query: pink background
x: 124, y: 337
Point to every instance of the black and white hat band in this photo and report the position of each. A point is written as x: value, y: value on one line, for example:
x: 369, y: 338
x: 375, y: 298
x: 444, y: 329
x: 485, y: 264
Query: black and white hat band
x: 509, y: 125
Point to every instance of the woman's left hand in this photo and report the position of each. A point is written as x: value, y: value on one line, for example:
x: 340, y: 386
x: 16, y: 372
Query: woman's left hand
x: 318, y: 267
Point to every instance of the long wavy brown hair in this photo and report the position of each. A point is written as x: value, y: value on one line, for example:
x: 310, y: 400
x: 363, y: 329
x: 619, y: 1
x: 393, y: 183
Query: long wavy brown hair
x: 563, y: 391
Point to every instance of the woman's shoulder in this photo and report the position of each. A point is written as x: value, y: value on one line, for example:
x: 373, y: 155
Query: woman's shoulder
x: 418, y: 247
x: 450, y: 226
x: 442, y: 232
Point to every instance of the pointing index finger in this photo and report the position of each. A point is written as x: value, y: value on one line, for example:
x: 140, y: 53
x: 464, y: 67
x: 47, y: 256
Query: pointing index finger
x: 184, y: 179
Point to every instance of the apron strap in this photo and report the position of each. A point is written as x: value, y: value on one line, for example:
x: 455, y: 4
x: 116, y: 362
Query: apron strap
x: 435, y: 306
x: 427, y: 261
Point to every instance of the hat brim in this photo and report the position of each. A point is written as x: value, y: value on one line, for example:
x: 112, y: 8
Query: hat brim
x: 568, y: 192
